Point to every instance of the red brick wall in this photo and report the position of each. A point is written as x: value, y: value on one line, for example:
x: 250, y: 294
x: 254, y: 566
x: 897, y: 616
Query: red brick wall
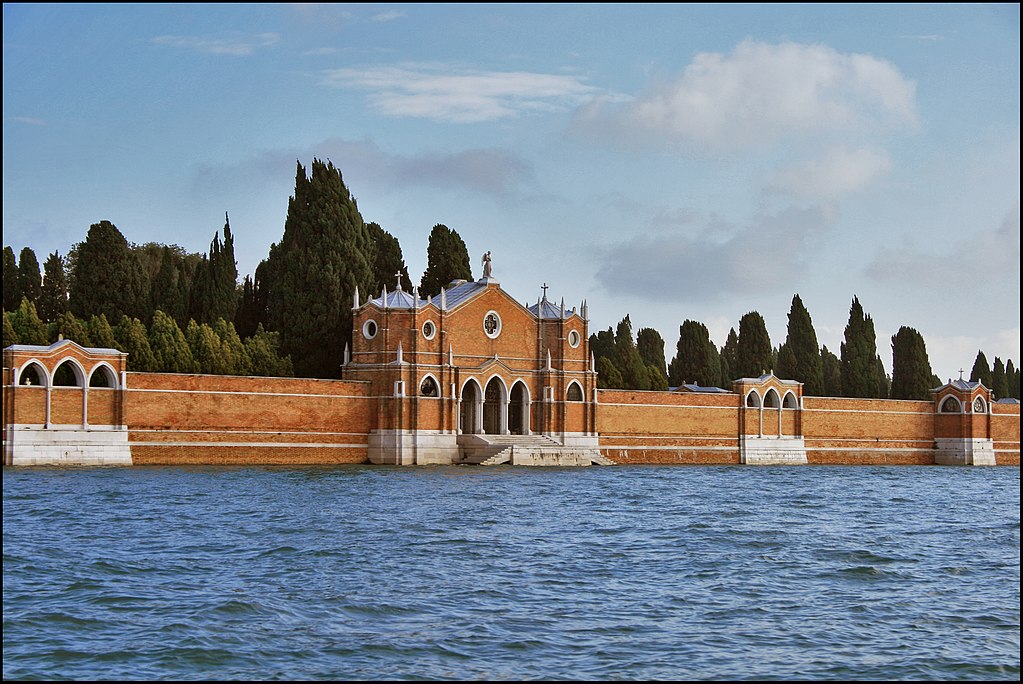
x: 868, y: 431
x: 1005, y: 433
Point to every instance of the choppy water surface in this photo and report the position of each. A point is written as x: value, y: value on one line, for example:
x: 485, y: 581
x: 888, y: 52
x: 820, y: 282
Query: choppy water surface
x: 512, y: 573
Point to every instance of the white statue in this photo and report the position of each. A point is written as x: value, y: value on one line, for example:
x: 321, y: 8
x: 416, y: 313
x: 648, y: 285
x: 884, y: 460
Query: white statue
x: 487, y: 267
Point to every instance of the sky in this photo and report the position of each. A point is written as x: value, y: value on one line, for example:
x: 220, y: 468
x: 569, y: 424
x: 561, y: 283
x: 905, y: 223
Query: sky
x: 669, y: 162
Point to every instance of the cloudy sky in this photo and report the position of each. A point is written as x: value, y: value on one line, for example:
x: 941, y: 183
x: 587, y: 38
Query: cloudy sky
x: 668, y: 162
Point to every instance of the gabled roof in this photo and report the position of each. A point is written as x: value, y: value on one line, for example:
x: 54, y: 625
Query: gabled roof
x: 764, y: 378
x: 48, y: 349
x: 689, y: 387
x: 960, y: 384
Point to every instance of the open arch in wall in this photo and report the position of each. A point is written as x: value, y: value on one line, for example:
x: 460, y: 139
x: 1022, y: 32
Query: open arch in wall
x: 495, y: 400
x: 470, y: 406
x: 771, y: 399
x: 68, y: 374
x: 518, y: 409
x: 753, y: 399
x: 790, y: 401
x: 103, y: 377
x: 32, y: 373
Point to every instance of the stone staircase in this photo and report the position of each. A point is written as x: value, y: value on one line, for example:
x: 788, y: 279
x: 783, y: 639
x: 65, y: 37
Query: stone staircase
x: 536, y: 450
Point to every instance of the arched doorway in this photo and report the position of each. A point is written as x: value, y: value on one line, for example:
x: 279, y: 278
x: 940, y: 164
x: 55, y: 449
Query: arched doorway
x: 518, y: 410
x: 468, y: 416
x: 495, y: 418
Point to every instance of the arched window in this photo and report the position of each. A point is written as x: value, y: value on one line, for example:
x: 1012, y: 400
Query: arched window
x: 428, y: 387
x: 32, y: 374
x: 790, y: 401
x: 575, y: 392
x: 102, y: 376
x: 68, y: 375
x: 950, y: 405
x: 979, y: 406
x: 771, y: 399
x: 753, y: 399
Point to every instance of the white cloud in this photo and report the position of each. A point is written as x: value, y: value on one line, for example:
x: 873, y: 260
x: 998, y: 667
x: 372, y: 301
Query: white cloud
x: 758, y: 94
x: 389, y: 15
x: 769, y: 253
x: 448, y: 93
x: 838, y: 172
x: 31, y: 120
x: 235, y: 45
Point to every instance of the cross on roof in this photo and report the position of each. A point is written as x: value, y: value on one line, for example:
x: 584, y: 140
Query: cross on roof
x: 961, y: 371
x: 398, y: 276
x: 544, y: 288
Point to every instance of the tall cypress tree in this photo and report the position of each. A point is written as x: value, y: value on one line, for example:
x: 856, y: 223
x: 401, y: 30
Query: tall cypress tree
x: 171, y: 353
x: 911, y: 369
x: 802, y: 360
x: 1012, y: 375
x: 72, y: 329
x: 999, y: 381
x: 387, y: 260
x: 650, y: 346
x: 30, y: 281
x: 12, y: 294
x: 753, y: 352
x: 627, y: 358
x: 28, y: 327
x: 53, y: 295
x: 696, y: 358
x: 729, y: 359
x: 133, y: 338
x: 981, y: 370
x: 107, y: 277
x: 447, y: 259
x: 325, y: 253
x: 832, y: 368
x: 214, y: 286
x: 859, y: 356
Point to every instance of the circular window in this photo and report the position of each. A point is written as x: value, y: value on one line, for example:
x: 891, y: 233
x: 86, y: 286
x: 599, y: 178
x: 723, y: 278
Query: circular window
x: 978, y: 405
x: 369, y: 329
x: 492, y: 324
x: 429, y: 330
x: 573, y: 338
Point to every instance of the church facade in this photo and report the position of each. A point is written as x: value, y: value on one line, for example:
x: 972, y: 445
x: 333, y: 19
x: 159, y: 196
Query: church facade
x: 471, y: 376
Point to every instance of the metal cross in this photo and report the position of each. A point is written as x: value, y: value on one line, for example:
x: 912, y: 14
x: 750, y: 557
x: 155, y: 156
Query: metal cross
x: 544, y: 288
x: 398, y: 276
x: 961, y: 371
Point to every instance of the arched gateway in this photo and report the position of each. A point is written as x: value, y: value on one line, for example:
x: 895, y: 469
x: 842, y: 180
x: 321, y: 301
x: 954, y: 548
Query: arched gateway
x: 500, y: 370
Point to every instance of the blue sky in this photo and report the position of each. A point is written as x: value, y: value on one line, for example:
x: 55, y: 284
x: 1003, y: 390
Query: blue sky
x: 665, y: 161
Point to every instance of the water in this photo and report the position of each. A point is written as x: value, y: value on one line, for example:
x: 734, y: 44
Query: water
x: 512, y: 573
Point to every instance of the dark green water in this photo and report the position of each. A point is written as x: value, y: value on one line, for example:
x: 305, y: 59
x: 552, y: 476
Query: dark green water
x: 512, y: 573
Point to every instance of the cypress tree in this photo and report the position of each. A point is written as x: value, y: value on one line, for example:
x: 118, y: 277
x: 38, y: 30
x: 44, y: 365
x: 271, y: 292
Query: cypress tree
x: 447, y: 259
x: 832, y: 368
x: 1012, y: 376
x: 388, y: 260
x: 627, y: 358
x: 28, y: 327
x: 999, y: 381
x: 213, y: 293
x: 602, y: 345
x: 132, y: 338
x: 803, y: 359
x: 263, y: 352
x: 785, y: 366
x: 236, y: 360
x: 164, y: 292
x: 107, y: 277
x: 10, y: 336
x: 324, y: 255
x: 71, y: 328
x: 651, y: 349
x: 12, y: 294
x: 911, y: 369
x: 53, y: 295
x: 981, y: 370
x: 171, y: 353
x: 246, y: 320
x: 205, y: 346
x: 696, y: 359
x: 100, y: 332
x: 859, y: 356
x: 608, y: 375
x: 30, y: 281
x: 729, y: 359
x: 753, y: 351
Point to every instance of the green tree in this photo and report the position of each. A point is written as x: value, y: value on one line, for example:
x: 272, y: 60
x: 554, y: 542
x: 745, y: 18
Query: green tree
x: 71, y: 328
x: 106, y: 276
x: 999, y: 381
x: 832, y: 367
x: 133, y: 338
x: 447, y: 259
x: 53, y: 295
x: 10, y: 336
x: 263, y: 352
x: 387, y: 260
x: 981, y: 370
x: 911, y: 369
x: 753, y: 352
x: 651, y: 349
x: 30, y: 282
x: 805, y: 359
x: 232, y: 349
x: 608, y: 375
x: 627, y: 358
x: 12, y: 294
x: 205, y: 345
x: 170, y: 284
x: 729, y: 359
x: 324, y: 255
x: 696, y: 358
x: 1012, y: 375
x: 602, y: 344
x: 214, y: 288
x: 171, y: 353
x: 28, y: 327
x: 100, y: 332
x: 860, y: 361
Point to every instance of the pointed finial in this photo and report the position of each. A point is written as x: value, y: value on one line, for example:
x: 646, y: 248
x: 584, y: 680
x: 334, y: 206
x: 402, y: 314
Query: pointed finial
x: 562, y: 307
x: 355, y: 298
x: 346, y: 357
x: 383, y: 296
x: 443, y: 300
x: 548, y: 359
x: 429, y: 299
x: 451, y: 355
x: 593, y: 362
x: 399, y: 353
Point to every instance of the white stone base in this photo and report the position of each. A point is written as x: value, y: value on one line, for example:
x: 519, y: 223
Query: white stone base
x: 954, y: 451
x: 101, y: 445
x: 772, y: 450
x: 419, y: 447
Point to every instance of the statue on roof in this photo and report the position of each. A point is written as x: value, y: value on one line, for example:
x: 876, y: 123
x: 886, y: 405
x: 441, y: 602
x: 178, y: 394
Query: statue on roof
x: 487, y: 266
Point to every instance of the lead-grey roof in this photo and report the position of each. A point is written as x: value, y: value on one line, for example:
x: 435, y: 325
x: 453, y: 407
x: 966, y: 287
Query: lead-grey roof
x: 700, y: 388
